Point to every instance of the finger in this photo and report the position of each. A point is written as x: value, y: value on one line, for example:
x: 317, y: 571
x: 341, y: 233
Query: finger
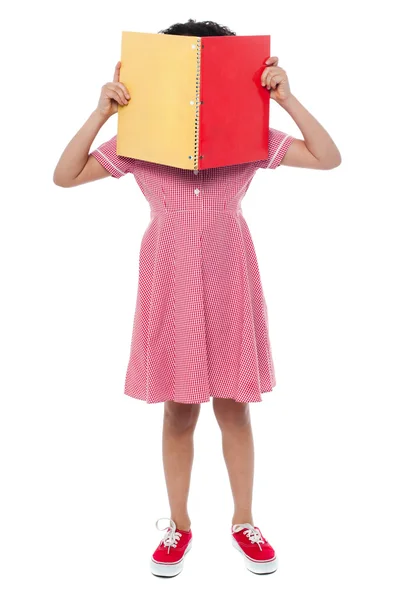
x: 265, y: 74
x: 124, y: 89
x: 274, y: 80
x: 114, y: 87
x: 273, y: 73
x: 117, y: 71
x: 272, y: 61
x: 113, y: 95
x: 271, y: 82
x: 268, y: 79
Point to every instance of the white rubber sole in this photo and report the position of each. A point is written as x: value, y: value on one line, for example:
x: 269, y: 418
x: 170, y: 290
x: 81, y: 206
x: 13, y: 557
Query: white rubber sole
x: 167, y: 569
x: 259, y: 567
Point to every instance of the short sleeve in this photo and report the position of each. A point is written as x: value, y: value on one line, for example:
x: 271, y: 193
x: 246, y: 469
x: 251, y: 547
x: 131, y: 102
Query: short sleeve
x: 110, y: 160
x: 279, y: 142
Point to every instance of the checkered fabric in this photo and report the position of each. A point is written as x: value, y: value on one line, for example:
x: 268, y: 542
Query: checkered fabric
x: 200, y: 326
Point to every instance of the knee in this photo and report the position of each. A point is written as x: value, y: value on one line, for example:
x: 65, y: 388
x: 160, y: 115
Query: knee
x: 181, y: 418
x: 231, y: 414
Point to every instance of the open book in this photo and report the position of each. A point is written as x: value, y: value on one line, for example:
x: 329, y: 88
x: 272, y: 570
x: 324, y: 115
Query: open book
x: 196, y: 102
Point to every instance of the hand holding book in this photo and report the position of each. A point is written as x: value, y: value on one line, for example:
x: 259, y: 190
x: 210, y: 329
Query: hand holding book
x: 276, y: 78
x: 112, y: 95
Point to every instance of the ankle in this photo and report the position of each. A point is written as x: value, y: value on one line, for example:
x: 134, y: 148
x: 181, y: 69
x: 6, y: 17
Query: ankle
x: 242, y: 517
x: 182, y: 523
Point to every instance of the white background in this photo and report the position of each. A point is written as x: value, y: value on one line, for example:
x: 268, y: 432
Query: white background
x: 81, y: 472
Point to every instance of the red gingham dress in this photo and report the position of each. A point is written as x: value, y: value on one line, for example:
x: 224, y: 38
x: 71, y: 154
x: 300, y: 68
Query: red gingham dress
x: 200, y: 326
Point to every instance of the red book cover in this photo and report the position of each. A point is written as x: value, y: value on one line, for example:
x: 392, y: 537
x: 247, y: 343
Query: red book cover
x: 234, y: 109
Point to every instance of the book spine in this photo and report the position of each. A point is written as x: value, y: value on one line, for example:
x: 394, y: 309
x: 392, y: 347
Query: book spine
x: 197, y: 104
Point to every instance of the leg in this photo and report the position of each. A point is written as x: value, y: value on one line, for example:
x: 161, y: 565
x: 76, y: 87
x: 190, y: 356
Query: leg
x: 238, y: 450
x: 178, y: 454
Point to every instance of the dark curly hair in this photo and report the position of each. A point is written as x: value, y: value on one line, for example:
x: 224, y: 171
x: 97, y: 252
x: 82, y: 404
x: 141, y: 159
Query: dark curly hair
x: 200, y: 29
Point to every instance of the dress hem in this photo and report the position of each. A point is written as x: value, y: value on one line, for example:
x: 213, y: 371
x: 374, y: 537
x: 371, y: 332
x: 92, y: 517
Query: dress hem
x: 200, y: 401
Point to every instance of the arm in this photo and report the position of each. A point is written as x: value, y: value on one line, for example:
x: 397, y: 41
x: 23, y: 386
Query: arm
x: 317, y: 150
x: 75, y: 166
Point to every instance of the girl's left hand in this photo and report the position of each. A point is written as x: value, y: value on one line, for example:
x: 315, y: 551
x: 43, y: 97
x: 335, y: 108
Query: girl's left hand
x: 276, y: 79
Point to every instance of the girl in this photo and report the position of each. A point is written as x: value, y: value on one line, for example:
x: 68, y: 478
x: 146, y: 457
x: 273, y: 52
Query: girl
x: 200, y: 326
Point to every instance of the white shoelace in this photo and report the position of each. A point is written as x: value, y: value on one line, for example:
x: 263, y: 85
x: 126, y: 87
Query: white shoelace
x: 171, y: 536
x: 252, y: 533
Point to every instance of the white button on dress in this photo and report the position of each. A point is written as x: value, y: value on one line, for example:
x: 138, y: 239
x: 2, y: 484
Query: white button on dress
x: 196, y: 192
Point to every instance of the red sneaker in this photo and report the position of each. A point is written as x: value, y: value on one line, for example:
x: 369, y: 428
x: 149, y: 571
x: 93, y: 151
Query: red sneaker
x: 258, y: 554
x: 168, y: 558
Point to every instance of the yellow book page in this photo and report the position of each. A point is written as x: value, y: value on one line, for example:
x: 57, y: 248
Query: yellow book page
x: 158, y: 124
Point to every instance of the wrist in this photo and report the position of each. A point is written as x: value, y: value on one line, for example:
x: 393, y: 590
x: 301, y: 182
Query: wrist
x: 99, y: 117
x: 287, y: 101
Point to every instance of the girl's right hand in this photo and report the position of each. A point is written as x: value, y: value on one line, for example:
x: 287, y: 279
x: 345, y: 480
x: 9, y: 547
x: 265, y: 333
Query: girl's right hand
x: 113, y: 94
